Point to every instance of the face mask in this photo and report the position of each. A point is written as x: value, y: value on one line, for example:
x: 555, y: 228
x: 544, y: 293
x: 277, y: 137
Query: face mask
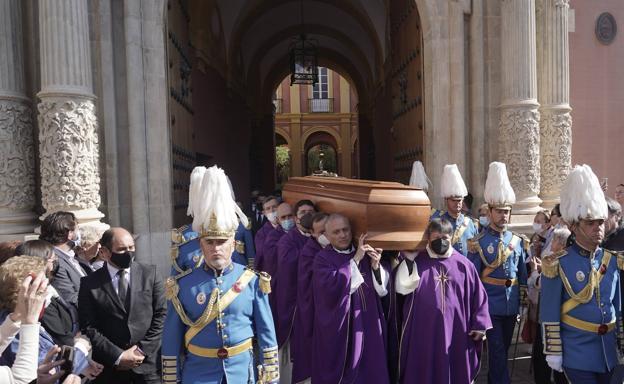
x: 288, y: 224
x: 272, y: 216
x: 323, y: 240
x: 440, y: 246
x: 537, y: 228
x: 484, y: 221
x: 122, y: 260
x: 75, y: 242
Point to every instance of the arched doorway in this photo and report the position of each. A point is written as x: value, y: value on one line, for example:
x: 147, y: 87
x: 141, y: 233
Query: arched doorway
x: 322, y: 142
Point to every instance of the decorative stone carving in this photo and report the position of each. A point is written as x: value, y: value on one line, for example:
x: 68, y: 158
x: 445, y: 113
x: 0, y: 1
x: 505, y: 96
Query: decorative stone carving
x: 68, y: 148
x: 17, y: 186
x: 556, y: 156
x: 606, y: 28
x: 520, y: 143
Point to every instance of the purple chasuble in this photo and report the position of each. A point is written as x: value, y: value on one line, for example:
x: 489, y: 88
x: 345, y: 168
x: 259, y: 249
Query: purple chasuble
x: 288, y: 248
x: 302, y: 336
x: 349, y: 329
x: 269, y: 254
x: 259, y: 241
x: 436, y: 318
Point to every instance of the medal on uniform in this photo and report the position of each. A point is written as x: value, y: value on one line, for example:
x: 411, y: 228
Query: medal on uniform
x: 490, y: 248
x: 603, y: 269
x: 580, y: 276
x: 195, y: 258
x: 201, y: 298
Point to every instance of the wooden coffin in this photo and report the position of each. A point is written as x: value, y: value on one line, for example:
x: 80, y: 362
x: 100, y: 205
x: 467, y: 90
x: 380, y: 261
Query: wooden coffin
x: 393, y: 215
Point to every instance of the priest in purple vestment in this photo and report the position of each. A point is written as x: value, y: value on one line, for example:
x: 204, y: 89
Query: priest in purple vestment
x: 303, y: 333
x: 285, y: 293
x: 439, y: 310
x: 349, y: 325
x: 269, y: 210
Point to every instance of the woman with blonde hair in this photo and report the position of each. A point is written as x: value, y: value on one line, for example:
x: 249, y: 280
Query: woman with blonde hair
x: 12, y: 273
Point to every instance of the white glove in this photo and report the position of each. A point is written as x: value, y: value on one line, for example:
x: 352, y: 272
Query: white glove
x: 555, y: 362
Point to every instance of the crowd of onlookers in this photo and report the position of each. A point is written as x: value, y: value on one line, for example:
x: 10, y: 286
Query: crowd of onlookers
x: 52, y: 331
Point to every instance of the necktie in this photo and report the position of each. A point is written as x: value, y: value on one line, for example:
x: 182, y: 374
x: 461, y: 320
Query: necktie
x: 122, y: 286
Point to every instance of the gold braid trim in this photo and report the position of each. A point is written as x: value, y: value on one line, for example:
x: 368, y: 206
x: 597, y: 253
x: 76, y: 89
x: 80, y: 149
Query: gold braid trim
x: 550, y: 264
x: 620, y: 258
x: 459, y: 232
x: 586, y: 294
x: 171, y: 293
x: 502, y: 253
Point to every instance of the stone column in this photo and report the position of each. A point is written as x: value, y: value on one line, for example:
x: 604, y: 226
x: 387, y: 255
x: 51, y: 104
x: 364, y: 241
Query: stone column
x: 554, y: 97
x: 17, y: 179
x: 68, y: 138
x: 519, y: 119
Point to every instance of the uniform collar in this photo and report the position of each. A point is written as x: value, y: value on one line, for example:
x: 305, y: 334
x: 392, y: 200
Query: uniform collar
x: 217, y: 273
x: 496, y: 232
x: 582, y: 251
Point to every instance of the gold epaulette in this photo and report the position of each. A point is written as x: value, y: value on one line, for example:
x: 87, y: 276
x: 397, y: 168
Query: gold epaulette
x: 176, y: 234
x: 473, y: 245
x: 433, y: 212
x: 526, y: 243
x: 550, y: 264
x: 264, y: 280
x: 620, y: 258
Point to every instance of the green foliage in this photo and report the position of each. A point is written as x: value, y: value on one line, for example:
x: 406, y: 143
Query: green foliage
x: 282, y: 162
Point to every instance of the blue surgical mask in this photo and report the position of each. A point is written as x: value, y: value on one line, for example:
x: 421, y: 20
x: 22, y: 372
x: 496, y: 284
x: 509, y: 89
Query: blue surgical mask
x: 484, y: 221
x: 287, y: 224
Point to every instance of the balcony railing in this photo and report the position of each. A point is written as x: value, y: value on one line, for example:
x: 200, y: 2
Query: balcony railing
x: 278, y: 103
x: 321, y: 105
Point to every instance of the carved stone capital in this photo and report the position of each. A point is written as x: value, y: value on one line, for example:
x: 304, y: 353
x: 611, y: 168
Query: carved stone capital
x: 17, y: 181
x: 520, y: 143
x: 68, y: 150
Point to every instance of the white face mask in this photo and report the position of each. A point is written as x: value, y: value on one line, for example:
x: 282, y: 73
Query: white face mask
x: 484, y: 221
x: 272, y: 217
x: 537, y: 228
x: 323, y: 240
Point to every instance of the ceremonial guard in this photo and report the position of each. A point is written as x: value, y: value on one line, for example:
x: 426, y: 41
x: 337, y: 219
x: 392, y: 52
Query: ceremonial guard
x: 580, y: 304
x: 499, y: 256
x: 216, y: 310
x: 185, y: 250
x: 453, y: 191
x: 418, y: 178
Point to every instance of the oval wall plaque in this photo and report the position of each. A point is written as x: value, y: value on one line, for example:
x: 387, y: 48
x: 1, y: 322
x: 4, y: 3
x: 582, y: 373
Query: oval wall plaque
x: 606, y: 28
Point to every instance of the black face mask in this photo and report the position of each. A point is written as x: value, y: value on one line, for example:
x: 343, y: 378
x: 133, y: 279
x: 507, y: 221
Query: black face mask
x: 440, y: 246
x: 122, y: 260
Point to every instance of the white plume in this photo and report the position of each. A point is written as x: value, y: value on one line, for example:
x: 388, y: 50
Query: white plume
x: 498, y: 189
x: 419, y: 178
x: 196, y: 179
x: 452, y: 183
x: 215, y: 197
x: 582, y: 197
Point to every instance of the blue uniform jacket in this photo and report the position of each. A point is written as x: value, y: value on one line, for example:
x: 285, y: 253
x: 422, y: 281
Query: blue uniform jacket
x: 506, y: 284
x: 583, y: 349
x: 248, y: 316
x: 464, y: 229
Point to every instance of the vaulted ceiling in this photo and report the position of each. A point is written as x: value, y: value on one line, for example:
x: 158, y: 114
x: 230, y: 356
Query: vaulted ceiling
x: 352, y: 37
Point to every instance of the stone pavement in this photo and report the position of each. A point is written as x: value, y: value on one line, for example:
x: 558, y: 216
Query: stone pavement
x: 522, y: 371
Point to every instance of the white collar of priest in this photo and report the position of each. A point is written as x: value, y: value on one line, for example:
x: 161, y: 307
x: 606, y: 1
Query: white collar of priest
x: 345, y: 251
x: 306, y: 234
x: 434, y: 255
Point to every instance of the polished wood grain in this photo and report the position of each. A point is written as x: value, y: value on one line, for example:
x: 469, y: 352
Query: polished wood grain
x: 393, y: 215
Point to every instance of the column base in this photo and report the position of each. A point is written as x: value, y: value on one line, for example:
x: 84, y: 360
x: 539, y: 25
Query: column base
x: 86, y: 217
x: 527, y: 206
x: 521, y: 223
x: 549, y: 202
x: 16, y: 224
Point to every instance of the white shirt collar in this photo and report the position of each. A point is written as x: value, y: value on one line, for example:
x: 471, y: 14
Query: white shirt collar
x: 434, y: 255
x: 112, y: 271
x: 304, y: 233
x: 346, y: 251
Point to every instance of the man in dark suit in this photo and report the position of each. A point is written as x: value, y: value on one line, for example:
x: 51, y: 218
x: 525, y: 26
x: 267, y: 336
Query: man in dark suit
x: 122, y: 310
x: 59, y: 229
